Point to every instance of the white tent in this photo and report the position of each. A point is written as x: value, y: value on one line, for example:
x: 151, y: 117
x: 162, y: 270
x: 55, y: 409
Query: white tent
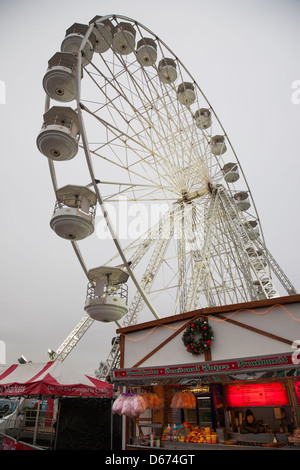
x: 44, y: 382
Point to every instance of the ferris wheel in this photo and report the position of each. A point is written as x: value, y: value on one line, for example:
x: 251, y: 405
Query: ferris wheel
x: 126, y: 105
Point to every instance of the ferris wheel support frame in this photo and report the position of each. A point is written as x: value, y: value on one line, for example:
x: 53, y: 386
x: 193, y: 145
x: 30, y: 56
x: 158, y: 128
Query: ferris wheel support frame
x: 277, y: 270
x: 194, y: 289
x: 240, y: 240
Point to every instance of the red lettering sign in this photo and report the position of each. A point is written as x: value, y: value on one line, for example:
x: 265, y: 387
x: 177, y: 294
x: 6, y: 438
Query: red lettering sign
x: 208, y: 368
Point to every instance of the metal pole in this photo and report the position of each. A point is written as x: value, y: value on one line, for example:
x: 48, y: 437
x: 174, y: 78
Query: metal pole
x: 37, y: 422
x: 111, y: 424
x: 57, y: 423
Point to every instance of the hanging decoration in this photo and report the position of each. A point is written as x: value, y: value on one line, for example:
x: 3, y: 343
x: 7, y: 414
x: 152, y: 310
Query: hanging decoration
x: 133, y: 405
x: 129, y: 404
x: 198, y: 337
x: 183, y: 400
x: 153, y: 401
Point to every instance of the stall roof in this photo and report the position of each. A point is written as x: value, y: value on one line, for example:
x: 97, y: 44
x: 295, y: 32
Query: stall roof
x: 51, y: 378
x: 211, y: 311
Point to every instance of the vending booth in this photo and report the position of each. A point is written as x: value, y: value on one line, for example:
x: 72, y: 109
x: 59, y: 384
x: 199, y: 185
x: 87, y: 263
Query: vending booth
x: 223, y: 377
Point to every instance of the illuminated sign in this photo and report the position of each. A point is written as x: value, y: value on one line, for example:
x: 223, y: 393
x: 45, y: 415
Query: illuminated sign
x: 263, y: 394
x: 228, y: 367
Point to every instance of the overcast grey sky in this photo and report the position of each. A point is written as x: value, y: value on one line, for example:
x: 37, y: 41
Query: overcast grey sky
x: 244, y: 54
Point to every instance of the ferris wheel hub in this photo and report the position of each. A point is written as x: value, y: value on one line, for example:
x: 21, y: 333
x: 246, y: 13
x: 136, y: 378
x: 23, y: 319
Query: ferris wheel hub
x: 187, y: 197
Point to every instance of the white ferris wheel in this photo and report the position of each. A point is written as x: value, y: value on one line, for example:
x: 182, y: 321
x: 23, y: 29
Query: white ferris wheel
x: 120, y: 100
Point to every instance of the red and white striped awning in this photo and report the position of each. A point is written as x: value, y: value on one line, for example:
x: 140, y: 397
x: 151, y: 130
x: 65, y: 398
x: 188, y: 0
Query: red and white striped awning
x: 53, y: 378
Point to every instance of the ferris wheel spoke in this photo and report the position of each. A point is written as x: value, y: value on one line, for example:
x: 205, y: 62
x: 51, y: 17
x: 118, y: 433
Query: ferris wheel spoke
x: 123, y: 95
x: 147, y: 281
x: 160, y: 135
x: 124, y: 188
x: 148, y: 161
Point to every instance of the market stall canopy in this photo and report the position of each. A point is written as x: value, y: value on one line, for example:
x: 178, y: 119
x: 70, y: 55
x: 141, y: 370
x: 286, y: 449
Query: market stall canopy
x: 51, y: 378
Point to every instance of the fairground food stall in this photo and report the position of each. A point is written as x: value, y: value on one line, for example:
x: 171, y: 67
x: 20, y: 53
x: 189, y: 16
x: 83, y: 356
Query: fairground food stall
x: 224, y: 377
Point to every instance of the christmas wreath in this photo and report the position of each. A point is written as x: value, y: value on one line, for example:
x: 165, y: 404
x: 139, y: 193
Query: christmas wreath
x: 198, y: 337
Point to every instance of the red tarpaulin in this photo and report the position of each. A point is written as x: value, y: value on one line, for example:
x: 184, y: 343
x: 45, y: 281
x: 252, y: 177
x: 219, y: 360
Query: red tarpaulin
x: 52, y: 378
x: 12, y: 444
